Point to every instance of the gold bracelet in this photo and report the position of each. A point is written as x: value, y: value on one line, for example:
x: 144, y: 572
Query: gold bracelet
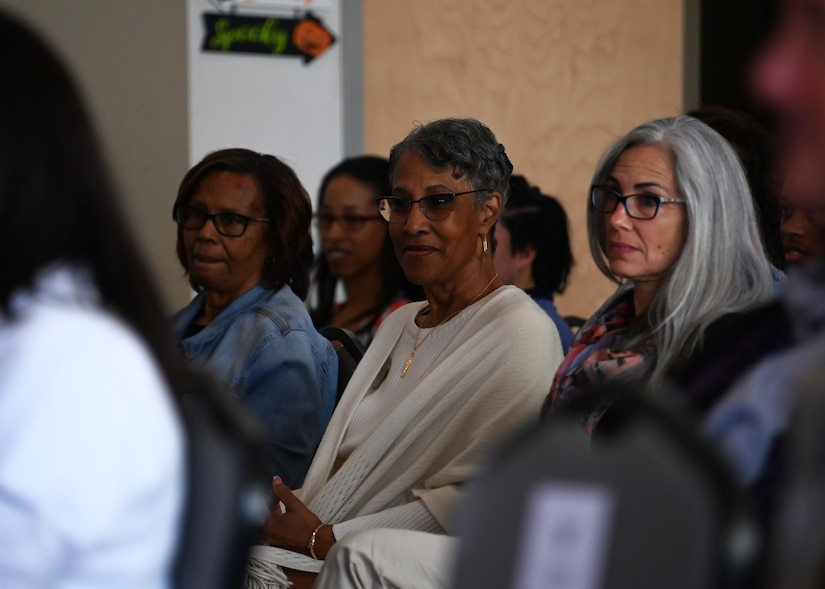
x: 311, y: 544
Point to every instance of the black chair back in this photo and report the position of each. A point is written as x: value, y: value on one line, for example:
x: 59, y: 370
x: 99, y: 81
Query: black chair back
x: 646, y: 503
x: 227, y: 489
x: 350, y: 350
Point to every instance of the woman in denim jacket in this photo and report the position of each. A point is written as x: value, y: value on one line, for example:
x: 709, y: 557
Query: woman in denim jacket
x: 244, y: 241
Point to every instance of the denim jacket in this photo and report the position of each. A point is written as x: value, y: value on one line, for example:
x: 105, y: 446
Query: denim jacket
x: 264, y: 350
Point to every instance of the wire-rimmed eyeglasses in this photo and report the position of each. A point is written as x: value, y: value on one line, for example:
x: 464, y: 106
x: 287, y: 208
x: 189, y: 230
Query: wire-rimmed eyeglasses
x: 229, y: 224
x: 637, y: 206
x: 435, y: 207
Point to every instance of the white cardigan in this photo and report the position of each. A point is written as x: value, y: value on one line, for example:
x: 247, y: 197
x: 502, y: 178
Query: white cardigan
x: 474, y: 381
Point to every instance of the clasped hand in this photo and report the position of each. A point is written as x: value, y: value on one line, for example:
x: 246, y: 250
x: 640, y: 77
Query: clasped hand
x: 289, y: 523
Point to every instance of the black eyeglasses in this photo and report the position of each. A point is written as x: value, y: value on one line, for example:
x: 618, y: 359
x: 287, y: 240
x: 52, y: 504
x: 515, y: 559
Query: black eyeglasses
x: 229, y: 224
x: 350, y: 223
x: 435, y: 206
x: 637, y: 206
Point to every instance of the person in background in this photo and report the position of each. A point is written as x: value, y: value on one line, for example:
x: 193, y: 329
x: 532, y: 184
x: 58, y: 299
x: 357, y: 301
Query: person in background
x: 92, y: 466
x: 356, y: 251
x: 756, y: 148
x: 445, y: 381
x: 244, y: 241
x: 672, y: 221
x: 802, y: 239
x: 532, y: 249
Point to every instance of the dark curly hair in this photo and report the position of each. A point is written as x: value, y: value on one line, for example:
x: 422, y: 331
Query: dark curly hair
x: 538, y: 220
x: 466, y: 146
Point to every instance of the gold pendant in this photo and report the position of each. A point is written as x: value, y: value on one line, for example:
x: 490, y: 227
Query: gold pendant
x: 407, y: 364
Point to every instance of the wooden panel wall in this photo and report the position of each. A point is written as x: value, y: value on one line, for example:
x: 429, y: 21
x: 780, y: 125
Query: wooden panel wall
x: 556, y: 80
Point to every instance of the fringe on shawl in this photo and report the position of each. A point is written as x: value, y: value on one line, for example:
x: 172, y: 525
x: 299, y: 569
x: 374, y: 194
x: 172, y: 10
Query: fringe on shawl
x: 263, y: 569
x: 261, y: 574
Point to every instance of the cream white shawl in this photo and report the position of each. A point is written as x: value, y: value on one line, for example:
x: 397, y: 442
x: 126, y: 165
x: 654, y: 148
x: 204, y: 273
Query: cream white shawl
x: 477, y: 378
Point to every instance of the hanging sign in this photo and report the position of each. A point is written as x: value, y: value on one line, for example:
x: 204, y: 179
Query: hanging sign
x: 305, y: 37
x: 278, y: 3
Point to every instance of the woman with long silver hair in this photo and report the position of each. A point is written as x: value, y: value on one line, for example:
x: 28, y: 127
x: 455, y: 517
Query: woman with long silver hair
x: 671, y: 220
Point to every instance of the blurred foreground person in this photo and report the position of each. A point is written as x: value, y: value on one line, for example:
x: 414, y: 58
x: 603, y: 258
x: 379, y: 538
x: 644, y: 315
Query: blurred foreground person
x: 91, y: 449
x: 784, y: 416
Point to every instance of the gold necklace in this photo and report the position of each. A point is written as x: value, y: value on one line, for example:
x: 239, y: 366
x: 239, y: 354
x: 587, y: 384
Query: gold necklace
x: 416, y: 344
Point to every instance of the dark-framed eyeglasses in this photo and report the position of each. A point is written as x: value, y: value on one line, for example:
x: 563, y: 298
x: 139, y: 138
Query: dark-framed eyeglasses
x: 229, y: 224
x: 638, y: 206
x: 435, y: 207
x: 350, y: 223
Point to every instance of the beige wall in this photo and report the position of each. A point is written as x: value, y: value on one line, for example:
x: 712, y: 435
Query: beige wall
x: 556, y: 80
x: 130, y: 61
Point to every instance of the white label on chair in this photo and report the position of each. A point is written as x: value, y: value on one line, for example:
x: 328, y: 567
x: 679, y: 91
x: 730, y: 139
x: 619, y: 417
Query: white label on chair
x: 566, y: 532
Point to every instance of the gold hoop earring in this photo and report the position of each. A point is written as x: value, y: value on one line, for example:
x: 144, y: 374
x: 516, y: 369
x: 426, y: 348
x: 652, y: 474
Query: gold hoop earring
x: 484, y: 244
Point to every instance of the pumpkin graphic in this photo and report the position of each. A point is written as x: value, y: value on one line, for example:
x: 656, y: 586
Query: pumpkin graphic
x: 311, y: 38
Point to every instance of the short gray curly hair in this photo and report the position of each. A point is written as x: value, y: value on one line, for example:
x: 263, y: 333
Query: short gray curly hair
x: 467, y: 147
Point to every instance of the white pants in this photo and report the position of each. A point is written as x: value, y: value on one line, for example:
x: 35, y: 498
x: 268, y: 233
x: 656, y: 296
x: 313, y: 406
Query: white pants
x: 393, y: 559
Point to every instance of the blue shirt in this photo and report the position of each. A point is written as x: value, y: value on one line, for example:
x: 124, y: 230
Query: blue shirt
x: 263, y: 350
x: 545, y: 301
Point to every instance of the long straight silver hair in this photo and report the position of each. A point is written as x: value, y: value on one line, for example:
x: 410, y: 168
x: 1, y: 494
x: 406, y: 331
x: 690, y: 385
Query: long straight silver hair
x: 723, y: 267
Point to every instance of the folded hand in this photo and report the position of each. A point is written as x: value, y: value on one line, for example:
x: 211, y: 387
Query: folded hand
x: 290, y: 523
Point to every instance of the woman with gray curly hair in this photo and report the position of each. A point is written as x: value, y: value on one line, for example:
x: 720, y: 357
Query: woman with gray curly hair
x: 444, y: 380
x: 671, y: 220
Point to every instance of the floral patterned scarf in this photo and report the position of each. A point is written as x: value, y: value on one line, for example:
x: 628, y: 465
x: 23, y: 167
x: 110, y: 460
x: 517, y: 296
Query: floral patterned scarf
x: 598, y: 355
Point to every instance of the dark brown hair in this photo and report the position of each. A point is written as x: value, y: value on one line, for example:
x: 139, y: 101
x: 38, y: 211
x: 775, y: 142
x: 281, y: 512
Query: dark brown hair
x: 57, y: 203
x: 373, y: 172
x: 287, y: 205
